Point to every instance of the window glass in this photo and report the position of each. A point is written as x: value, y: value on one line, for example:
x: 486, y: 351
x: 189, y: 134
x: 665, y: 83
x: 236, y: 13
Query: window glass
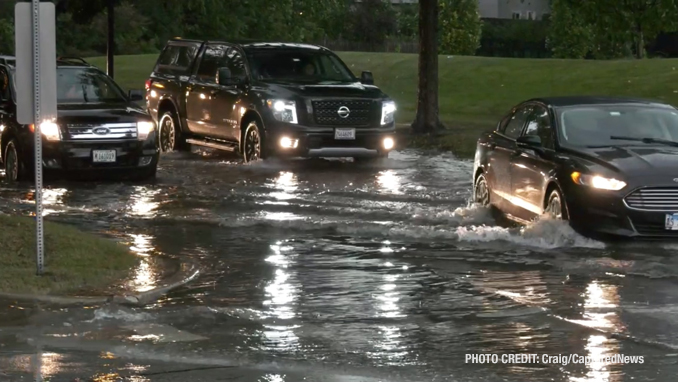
x: 78, y: 85
x: 595, y: 125
x: 4, y: 85
x: 299, y: 65
x: 212, y: 59
x: 539, y: 124
x: 515, y: 125
x: 235, y: 62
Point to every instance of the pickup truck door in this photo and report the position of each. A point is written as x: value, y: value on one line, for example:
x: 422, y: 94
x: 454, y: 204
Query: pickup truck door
x: 199, y: 107
x: 226, y: 97
x: 201, y: 91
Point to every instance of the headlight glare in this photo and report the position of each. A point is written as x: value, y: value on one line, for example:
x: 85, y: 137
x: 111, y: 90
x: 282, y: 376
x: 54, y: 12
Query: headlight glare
x: 144, y: 128
x: 597, y: 181
x: 283, y: 110
x: 388, y: 109
x: 50, y: 130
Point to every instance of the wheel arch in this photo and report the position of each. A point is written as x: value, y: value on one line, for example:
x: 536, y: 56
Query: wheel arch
x: 554, y: 185
x: 250, y: 116
x: 168, y: 105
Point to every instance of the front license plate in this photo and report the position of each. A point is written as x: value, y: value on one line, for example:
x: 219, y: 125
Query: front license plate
x: 344, y: 134
x: 103, y: 156
x: 672, y: 222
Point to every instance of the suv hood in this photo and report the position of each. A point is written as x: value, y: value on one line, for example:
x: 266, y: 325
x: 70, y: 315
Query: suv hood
x: 350, y: 90
x: 635, y: 161
x: 100, y: 113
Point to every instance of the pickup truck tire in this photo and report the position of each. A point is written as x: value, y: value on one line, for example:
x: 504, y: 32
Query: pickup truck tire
x: 169, y: 134
x: 14, y: 170
x: 251, y: 146
x: 145, y: 174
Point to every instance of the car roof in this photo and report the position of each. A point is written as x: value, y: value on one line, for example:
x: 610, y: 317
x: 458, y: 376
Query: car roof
x: 567, y: 101
x: 254, y: 44
x: 61, y: 61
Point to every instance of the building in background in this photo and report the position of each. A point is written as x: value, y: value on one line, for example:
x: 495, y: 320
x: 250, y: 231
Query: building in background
x: 504, y: 9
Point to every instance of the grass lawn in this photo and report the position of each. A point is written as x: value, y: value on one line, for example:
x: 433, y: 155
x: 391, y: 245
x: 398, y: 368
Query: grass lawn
x: 74, y: 261
x: 476, y: 91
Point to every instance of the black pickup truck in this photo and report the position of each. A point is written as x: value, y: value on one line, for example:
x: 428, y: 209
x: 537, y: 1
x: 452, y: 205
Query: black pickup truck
x: 267, y: 99
x: 99, y: 129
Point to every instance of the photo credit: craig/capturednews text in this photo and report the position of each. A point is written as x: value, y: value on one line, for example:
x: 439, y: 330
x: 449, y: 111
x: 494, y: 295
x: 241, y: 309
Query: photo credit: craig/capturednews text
x: 560, y: 359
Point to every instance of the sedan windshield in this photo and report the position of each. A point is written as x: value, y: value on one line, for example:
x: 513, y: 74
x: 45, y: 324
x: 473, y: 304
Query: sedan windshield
x: 86, y: 85
x: 617, y: 125
x: 299, y: 65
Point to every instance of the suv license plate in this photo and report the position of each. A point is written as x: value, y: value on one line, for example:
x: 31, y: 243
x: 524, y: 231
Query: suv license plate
x: 103, y: 156
x: 344, y: 134
x: 672, y: 222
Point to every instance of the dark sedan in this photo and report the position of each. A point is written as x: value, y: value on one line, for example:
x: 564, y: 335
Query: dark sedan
x: 608, y: 165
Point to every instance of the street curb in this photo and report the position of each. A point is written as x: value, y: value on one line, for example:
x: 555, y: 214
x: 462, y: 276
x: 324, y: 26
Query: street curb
x: 188, y: 272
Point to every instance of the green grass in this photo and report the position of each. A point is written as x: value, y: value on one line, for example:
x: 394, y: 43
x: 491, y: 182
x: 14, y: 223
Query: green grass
x: 476, y: 91
x: 74, y: 261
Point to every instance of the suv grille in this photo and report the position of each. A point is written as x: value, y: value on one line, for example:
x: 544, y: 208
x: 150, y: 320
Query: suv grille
x: 360, y: 112
x: 654, y: 199
x: 80, y: 132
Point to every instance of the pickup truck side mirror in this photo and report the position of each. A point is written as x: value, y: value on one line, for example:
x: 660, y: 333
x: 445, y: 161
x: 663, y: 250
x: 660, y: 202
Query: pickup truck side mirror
x: 136, y: 95
x: 367, y: 78
x: 225, y: 77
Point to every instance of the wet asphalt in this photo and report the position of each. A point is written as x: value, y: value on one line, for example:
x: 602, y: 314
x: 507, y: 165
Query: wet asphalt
x: 332, y: 271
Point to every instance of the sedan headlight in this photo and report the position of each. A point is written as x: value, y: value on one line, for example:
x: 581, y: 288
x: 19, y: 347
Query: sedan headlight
x: 144, y: 128
x: 50, y: 131
x: 283, y: 110
x: 598, y: 182
x: 388, y: 109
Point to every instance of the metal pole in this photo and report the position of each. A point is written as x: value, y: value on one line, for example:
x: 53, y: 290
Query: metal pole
x: 110, y: 50
x: 38, y: 138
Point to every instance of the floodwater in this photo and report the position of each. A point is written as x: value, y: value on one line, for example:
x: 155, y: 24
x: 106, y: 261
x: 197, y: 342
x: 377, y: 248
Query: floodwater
x: 376, y: 271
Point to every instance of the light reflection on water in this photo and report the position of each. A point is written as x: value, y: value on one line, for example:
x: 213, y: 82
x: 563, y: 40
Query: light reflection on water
x: 144, y: 277
x: 142, y: 203
x: 601, y: 302
x: 282, y: 293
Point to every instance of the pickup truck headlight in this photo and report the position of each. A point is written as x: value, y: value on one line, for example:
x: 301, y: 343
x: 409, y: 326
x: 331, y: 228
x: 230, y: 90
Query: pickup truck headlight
x: 388, y: 109
x: 598, y: 182
x: 283, y: 110
x: 144, y: 128
x: 50, y: 131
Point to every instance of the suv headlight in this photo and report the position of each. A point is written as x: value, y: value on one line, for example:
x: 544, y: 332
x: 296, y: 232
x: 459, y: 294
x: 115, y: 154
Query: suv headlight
x: 144, y: 128
x: 50, y: 130
x: 598, y: 182
x: 388, y: 109
x: 283, y: 110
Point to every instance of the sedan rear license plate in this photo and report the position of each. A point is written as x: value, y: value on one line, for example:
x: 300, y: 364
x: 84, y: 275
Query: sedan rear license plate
x: 672, y: 222
x: 103, y: 156
x: 344, y: 134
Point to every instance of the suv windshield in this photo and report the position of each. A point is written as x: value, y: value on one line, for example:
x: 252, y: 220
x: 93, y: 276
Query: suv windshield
x: 604, y: 125
x: 86, y: 85
x: 299, y: 65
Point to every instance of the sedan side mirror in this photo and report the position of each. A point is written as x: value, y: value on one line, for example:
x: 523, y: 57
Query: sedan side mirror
x: 136, y: 95
x: 367, y: 78
x: 529, y: 142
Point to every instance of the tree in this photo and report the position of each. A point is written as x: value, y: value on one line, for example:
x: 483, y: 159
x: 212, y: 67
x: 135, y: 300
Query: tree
x: 571, y: 35
x: 640, y: 20
x: 460, y: 27
x: 372, y: 21
x: 427, y: 119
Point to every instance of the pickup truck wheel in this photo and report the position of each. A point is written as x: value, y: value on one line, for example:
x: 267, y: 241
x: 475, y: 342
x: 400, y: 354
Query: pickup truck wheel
x: 252, y: 143
x: 13, y: 166
x: 169, y: 134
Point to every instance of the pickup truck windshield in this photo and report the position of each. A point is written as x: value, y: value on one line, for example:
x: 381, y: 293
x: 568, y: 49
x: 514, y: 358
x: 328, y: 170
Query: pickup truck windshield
x: 85, y: 85
x: 305, y: 66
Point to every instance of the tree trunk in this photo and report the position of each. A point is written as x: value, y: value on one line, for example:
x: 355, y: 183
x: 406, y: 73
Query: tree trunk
x: 427, y: 119
x: 110, y: 48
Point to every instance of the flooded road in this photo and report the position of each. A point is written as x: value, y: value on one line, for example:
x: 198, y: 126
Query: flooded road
x: 378, y: 271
